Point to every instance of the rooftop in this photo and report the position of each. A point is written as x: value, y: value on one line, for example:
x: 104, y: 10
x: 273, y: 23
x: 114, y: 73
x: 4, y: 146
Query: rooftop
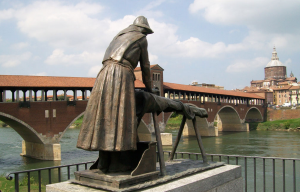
x: 27, y: 81
x: 209, y: 90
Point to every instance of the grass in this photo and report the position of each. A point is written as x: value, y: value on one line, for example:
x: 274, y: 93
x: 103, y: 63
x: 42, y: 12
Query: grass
x: 78, y: 122
x: 9, y: 185
x: 174, y: 122
x: 278, y: 124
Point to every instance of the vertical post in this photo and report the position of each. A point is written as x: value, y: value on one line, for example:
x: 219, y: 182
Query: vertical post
x: 178, y: 137
x: 203, y: 98
x: 1, y: 98
x: 159, y: 145
x: 173, y: 94
x: 43, y: 95
x: 168, y: 95
x: 184, y: 95
x: 4, y: 96
x: 46, y: 98
x: 24, y: 95
x: 17, y: 95
x: 30, y: 95
x: 54, y: 98
x: 197, y: 131
x: 65, y: 95
x: 13, y: 95
x: 75, y: 94
x: 83, y: 95
x: 35, y: 95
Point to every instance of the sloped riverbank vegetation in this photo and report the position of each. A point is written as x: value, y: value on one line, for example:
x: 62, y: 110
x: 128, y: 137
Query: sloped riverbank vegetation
x: 289, y: 125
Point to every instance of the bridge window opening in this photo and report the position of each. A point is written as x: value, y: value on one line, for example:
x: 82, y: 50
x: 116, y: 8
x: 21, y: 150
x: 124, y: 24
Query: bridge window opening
x: 176, y: 96
x: 50, y: 95
x: 60, y: 95
x: 69, y: 95
x: 88, y: 94
x: 37, y: 95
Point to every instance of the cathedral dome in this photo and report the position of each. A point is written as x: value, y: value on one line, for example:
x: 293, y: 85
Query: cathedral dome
x: 274, y: 60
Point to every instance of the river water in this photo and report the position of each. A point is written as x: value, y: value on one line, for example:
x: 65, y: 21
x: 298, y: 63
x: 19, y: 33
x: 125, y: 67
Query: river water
x: 253, y: 143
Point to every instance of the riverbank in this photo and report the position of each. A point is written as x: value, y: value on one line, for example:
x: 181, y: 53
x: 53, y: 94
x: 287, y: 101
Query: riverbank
x: 278, y: 125
x: 9, y: 185
x: 2, y: 124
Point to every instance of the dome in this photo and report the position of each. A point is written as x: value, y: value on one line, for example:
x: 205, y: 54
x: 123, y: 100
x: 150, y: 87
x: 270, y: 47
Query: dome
x: 274, y: 60
x: 274, y: 63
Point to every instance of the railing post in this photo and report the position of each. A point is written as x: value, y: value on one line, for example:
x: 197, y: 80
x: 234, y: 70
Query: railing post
x: 16, y: 182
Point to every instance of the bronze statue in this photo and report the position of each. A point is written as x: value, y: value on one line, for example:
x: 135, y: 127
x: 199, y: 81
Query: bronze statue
x: 110, y: 123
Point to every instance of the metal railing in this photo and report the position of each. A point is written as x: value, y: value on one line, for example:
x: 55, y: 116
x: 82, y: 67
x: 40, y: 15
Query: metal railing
x: 259, y: 173
x: 39, y: 171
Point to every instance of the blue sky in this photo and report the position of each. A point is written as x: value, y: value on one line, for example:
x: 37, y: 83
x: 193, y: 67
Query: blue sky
x: 224, y: 42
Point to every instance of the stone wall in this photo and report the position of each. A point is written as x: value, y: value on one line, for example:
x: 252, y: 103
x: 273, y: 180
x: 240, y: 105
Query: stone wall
x: 281, y: 114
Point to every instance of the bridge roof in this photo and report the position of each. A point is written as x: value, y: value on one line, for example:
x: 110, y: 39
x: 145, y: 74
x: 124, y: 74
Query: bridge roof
x: 181, y: 87
x: 25, y: 81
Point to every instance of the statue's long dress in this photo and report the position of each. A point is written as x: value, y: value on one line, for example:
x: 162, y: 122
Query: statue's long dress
x: 109, y: 122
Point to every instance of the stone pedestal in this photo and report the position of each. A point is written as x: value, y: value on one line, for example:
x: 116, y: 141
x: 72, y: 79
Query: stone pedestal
x: 41, y: 151
x: 225, y: 178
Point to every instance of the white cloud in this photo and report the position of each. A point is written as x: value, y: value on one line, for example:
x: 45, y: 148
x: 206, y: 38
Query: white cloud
x: 267, y: 14
x: 94, y: 70
x: 152, y: 58
x: 58, y: 57
x: 14, y: 60
x: 6, y: 14
x: 148, y: 9
x: 61, y: 25
x: 247, y: 65
x: 20, y: 45
x: 269, y: 22
x: 287, y: 62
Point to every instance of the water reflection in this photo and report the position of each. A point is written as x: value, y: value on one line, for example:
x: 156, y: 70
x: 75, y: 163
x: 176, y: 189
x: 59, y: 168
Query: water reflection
x: 254, y: 143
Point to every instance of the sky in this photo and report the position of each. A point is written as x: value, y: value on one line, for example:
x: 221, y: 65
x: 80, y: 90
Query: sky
x: 222, y: 42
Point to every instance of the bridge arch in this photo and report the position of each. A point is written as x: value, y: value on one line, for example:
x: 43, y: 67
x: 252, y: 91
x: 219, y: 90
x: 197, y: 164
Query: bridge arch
x: 229, y: 119
x: 253, y: 115
x: 22, y: 128
x: 62, y: 133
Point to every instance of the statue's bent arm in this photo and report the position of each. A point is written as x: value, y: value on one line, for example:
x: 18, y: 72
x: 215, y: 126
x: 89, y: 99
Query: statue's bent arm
x: 145, y: 64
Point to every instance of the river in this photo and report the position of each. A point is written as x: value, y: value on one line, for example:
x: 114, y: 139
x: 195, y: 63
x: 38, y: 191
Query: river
x: 253, y: 143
